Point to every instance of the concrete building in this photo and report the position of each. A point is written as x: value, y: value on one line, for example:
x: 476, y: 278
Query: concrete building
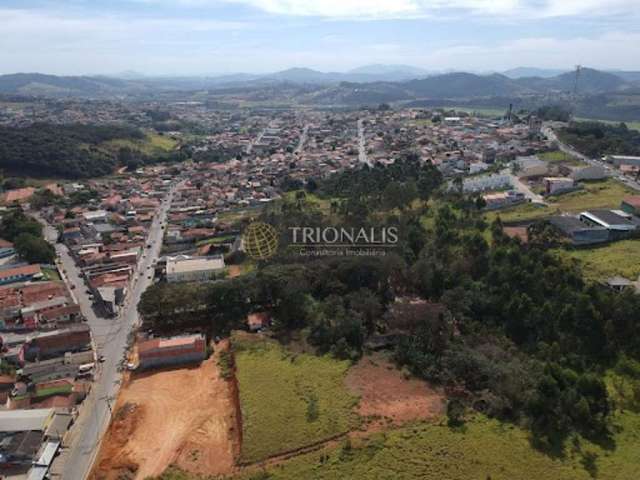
x: 620, y: 160
x: 502, y: 199
x: 160, y: 352
x: 613, y: 220
x: 45, y: 345
x: 631, y: 205
x: 195, y: 269
x: 553, y: 185
x: 591, y: 172
x: 19, y: 274
x: 29, y: 441
x: 579, y: 233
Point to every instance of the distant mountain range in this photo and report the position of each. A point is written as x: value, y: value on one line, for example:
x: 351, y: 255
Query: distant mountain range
x: 520, y: 72
x: 364, y: 85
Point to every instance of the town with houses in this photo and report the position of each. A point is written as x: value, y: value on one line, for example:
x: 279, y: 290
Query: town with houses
x: 69, y: 330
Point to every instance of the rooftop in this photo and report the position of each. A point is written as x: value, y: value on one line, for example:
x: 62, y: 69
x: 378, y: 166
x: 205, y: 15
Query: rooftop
x: 25, y: 420
x: 179, y: 265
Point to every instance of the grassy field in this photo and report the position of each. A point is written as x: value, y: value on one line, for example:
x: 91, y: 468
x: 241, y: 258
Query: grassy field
x: 487, y: 449
x: 289, y: 400
x: 618, y: 258
x: 237, y: 215
x: 479, y: 111
x: 483, y: 449
x: 630, y: 125
x: 322, y: 204
x: 524, y: 211
x: 51, y: 274
x: 152, y: 144
x: 558, y: 156
x: 216, y: 240
x: 600, y: 194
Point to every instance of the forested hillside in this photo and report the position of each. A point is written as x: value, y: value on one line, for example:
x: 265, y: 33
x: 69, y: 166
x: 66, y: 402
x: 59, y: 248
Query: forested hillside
x: 597, y: 139
x: 69, y: 151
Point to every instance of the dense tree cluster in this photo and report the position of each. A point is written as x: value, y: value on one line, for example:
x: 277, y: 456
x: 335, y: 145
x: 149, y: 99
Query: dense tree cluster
x: 596, y: 139
x: 559, y: 113
x: 517, y: 334
x: 384, y: 187
x: 26, y: 235
x: 69, y: 151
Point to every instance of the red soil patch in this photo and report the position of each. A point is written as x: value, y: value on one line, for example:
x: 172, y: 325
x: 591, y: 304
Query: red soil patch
x: 186, y: 416
x: 234, y: 271
x: 387, y: 398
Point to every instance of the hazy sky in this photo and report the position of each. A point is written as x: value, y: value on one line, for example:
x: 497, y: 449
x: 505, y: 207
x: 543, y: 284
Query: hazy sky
x: 179, y: 37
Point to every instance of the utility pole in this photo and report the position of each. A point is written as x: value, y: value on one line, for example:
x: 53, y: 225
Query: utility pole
x: 574, y: 99
x: 575, y: 84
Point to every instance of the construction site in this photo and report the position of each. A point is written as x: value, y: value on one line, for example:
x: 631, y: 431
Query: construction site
x: 187, y: 417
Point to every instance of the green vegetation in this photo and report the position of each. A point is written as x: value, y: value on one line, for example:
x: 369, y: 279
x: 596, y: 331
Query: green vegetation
x: 623, y: 382
x: 515, y: 326
x: 479, y: 111
x: 216, y: 240
x: 51, y: 274
x: 597, y: 139
x: 596, y: 194
x: 522, y: 212
x: 79, y: 151
x: 149, y: 144
x: 618, y: 258
x: 553, y: 112
x: 26, y: 235
x: 558, y: 156
x: 630, y: 125
x: 225, y: 364
x: 481, y: 449
x: 289, y: 400
x: 599, y: 194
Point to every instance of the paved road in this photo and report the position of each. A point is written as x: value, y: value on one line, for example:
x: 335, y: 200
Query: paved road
x: 303, y: 139
x: 110, y: 336
x: 362, y: 147
x: 611, y: 171
x: 523, y: 188
x: 257, y: 140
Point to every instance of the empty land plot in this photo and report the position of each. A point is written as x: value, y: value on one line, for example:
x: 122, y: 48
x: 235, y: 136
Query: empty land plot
x: 600, y: 194
x: 482, y: 449
x: 521, y: 213
x: 618, y: 258
x: 184, y: 416
x: 288, y: 400
x: 593, y: 195
x: 388, y: 398
x: 558, y: 156
x: 150, y: 145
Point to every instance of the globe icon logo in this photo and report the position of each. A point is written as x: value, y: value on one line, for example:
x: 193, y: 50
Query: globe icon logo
x: 260, y: 240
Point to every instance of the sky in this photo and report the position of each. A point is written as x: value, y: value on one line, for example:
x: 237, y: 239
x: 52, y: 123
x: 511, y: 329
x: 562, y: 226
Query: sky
x: 210, y: 37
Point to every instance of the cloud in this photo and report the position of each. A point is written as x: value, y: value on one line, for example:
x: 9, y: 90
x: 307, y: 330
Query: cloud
x: 62, y: 43
x: 414, y: 9
x: 611, y: 50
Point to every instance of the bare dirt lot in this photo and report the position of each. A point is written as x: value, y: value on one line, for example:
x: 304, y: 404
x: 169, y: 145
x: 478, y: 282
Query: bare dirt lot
x: 387, y: 398
x: 185, y: 416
